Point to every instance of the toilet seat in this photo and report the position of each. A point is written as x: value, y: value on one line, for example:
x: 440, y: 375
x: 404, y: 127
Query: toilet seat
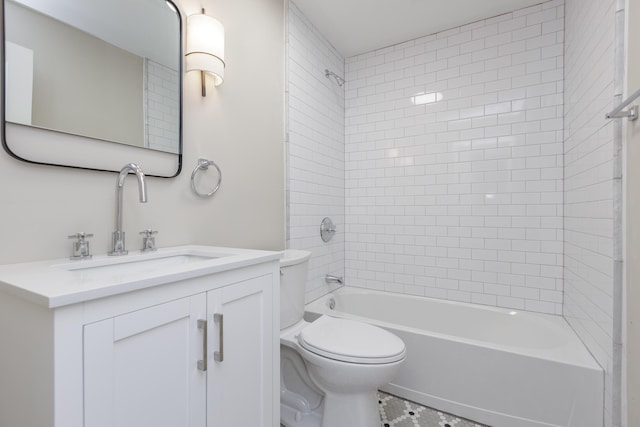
x: 350, y: 341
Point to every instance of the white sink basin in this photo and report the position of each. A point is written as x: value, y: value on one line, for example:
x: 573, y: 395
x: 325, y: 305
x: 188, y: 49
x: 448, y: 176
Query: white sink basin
x: 134, y: 264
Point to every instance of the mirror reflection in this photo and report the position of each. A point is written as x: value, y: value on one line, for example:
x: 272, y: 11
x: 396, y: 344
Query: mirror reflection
x: 105, y: 70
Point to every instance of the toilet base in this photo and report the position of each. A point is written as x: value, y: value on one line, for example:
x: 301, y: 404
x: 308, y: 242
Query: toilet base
x: 344, y: 410
x: 292, y: 417
x: 359, y: 410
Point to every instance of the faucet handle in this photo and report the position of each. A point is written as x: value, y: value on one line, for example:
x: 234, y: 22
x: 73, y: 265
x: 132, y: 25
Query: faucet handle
x: 149, y: 240
x: 80, y: 248
x: 81, y: 235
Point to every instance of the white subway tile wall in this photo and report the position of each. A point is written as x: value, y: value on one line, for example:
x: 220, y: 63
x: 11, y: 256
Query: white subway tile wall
x: 454, y: 158
x: 590, y: 165
x: 315, y: 160
x: 162, y: 107
x: 467, y: 178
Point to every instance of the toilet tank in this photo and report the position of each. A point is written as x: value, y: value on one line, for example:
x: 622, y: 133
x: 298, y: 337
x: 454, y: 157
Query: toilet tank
x: 294, y: 265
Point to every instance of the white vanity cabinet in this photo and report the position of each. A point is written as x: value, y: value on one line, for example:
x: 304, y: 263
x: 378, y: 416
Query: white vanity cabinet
x: 197, y: 352
x: 141, y: 368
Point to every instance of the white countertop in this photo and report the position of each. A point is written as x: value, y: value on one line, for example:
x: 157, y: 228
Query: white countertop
x: 55, y: 283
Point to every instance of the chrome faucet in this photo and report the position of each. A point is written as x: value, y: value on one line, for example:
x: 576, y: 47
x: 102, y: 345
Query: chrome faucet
x: 333, y: 279
x: 118, y: 246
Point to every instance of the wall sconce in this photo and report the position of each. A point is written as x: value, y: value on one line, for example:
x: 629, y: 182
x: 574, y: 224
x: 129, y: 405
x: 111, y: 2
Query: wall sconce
x: 205, y: 48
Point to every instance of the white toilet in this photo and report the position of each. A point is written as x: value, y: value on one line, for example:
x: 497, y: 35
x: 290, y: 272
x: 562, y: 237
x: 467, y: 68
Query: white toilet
x: 330, y: 368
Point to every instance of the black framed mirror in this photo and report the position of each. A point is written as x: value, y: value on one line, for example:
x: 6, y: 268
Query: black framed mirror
x: 93, y: 84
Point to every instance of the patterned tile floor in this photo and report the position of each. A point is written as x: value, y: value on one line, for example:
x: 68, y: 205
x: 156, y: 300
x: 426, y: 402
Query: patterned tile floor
x: 397, y: 412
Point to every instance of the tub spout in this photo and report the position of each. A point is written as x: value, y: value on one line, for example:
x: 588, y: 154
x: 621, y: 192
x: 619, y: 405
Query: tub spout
x: 333, y: 279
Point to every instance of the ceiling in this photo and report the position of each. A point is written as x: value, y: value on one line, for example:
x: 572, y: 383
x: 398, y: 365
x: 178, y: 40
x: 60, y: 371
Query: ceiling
x: 359, y: 26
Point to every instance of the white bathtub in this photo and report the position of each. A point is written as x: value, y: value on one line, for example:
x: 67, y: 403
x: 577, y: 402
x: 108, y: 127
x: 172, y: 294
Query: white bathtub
x: 496, y: 366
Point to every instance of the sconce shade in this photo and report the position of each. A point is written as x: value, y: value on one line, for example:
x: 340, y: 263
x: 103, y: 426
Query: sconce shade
x: 205, y: 46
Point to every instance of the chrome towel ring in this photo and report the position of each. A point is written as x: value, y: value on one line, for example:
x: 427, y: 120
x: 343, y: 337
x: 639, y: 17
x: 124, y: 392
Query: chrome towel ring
x: 203, y: 164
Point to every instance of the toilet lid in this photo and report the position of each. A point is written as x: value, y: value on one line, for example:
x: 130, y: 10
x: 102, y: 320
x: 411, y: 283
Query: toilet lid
x: 351, y: 341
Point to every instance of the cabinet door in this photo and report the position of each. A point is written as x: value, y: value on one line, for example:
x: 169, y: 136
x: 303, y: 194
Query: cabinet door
x: 141, y: 368
x: 240, y: 383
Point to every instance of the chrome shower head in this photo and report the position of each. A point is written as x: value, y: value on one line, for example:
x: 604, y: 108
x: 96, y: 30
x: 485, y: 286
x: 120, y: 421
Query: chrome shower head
x: 337, y: 78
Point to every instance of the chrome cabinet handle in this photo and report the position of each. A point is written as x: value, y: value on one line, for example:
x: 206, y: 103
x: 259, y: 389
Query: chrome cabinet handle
x: 202, y: 364
x: 218, y: 356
